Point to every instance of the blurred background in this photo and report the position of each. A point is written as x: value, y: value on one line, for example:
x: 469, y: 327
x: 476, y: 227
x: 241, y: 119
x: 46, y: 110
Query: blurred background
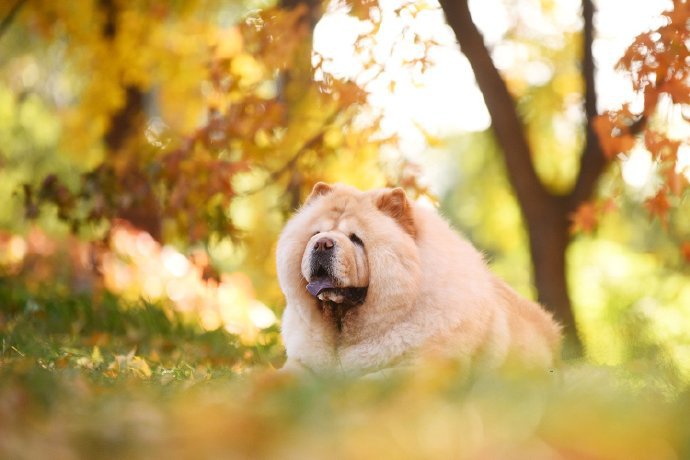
x: 151, y: 151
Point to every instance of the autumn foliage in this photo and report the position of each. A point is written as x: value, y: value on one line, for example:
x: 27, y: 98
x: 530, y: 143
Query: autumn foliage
x: 657, y: 64
x: 264, y: 115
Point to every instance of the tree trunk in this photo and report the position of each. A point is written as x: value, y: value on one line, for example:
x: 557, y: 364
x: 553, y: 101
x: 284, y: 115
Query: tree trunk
x: 546, y: 215
x: 143, y: 211
x: 549, y: 238
x: 300, y: 72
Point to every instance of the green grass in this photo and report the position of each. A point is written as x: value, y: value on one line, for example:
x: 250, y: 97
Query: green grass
x: 85, y: 377
x: 68, y: 331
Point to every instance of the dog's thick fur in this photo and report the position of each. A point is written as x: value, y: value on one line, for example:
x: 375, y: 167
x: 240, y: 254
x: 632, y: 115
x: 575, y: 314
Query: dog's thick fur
x: 429, y: 292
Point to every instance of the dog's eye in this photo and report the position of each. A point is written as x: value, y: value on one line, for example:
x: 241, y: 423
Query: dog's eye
x: 355, y: 239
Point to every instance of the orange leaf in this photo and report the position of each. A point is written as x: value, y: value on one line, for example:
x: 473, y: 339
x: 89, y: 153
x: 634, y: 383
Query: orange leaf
x: 349, y: 93
x: 685, y: 251
x: 585, y: 219
x: 651, y: 97
x: 678, y: 90
x: 611, y: 144
x: 603, y: 126
x: 658, y: 206
x: 361, y: 9
x: 609, y: 205
x: 677, y: 183
x: 660, y: 146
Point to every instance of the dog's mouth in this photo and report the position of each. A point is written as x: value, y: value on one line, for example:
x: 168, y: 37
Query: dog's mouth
x: 335, y: 301
x: 326, y: 289
x: 319, y: 284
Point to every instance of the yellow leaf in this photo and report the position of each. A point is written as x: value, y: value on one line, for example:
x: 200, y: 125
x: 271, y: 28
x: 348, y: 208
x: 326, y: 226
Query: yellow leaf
x: 247, y: 68
x: 333, y: 138
x: 139, y: 367
x: 96, y: 356
x: 227, y: 43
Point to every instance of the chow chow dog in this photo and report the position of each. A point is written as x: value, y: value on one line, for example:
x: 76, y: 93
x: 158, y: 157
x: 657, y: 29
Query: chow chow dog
x: 375, y: 281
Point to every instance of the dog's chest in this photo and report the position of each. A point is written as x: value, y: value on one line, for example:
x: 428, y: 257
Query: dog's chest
x: 339, y: 315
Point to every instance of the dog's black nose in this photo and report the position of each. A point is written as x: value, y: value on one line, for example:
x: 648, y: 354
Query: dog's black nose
x: 324, y: 244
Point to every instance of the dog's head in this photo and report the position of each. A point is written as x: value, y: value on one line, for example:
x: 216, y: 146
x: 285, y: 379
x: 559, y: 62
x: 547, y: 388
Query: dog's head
x: 345, y: 247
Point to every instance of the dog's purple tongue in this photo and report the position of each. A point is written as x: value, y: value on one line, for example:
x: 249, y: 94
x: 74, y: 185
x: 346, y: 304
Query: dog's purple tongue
x: 319, y: 284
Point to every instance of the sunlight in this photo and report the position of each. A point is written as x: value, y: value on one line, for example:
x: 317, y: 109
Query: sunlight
x: 16, y: 249
x: 683, y: 161
x: 261, y: 315
x: 13, y: 249
x: 638, y: 168
x: 616, y: 28
x: 175, y: 263
x: 334, y: 40
x: 408, y: 98
x: 137, y: 266
x: 444, y: 100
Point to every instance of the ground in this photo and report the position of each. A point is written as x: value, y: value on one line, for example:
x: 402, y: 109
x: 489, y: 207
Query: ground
x: 96, y: 377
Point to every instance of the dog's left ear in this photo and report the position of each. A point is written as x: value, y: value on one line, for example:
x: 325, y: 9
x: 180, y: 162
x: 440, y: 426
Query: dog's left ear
x: 394, y: 203
x: 320, y: 188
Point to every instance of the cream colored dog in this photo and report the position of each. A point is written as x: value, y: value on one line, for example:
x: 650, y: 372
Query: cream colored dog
x: 374, y: 281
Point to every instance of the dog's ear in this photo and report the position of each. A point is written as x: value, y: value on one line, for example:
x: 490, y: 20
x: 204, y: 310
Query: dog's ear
x: 320, y: 188
x: 394, y: 203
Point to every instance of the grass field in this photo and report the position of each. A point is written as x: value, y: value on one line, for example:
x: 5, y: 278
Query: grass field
x: 84, y: 377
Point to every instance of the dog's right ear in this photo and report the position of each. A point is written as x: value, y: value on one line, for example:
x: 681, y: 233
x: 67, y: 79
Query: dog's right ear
x: 320, y: 188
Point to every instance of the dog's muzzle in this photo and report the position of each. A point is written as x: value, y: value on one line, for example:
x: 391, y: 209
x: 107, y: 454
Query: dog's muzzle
x: 322, y: 282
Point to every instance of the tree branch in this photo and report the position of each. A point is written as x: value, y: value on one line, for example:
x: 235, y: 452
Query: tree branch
x: 289, y: 165
x: 592, y: 162
x: 314, y: 8
x: 7, y: 20
x: 510, y: 133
